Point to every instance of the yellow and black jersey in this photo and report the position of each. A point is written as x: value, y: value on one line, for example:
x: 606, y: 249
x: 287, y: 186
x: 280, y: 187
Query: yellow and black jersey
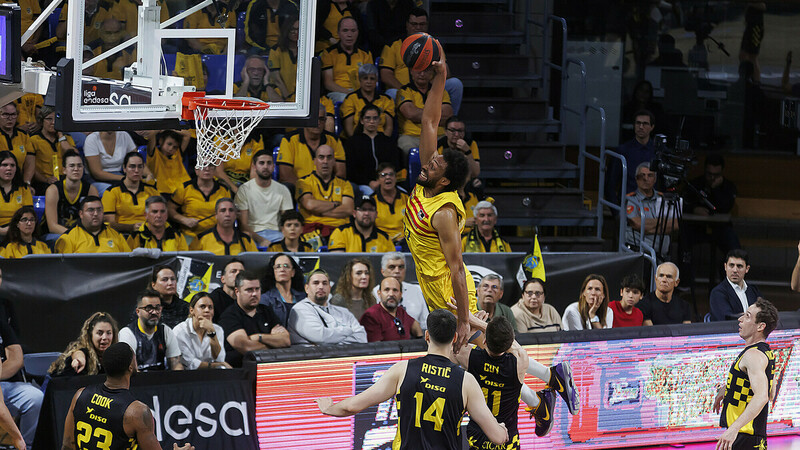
x: 392, y: 59
x: 473, y: 147
x: 355, y: 102
x: 193, y: 203
x: 333, y: 191
x: 126, y: 205
x: 499, y: 381
x: 348, y: 239
x: 410, y: 93
x: 211, y: 241
x: 18, y: 143
x: 98, y: 414
x: 390, y: 215
x: 92, y: 22
x: 112, y: 67
x: 344, y: 65
x: 262, y: 24
x: 29, y: 103
x: 738, y: 393
x: 238, y: 170
x: 68, y: 209
x: 204, y: 19
x: 430, y: 405
x: 49, y: 154
x: 129, y: 11
x: 469, y: 203
x: 20, y: 249
x: 262, y: 93
x: 78, y: 240
x: 473, y: 242
x: 330, y: 25
x: 12, y: 201
x: 280, y: 247
x: 171, y: 241
x: 169, y: 171
x: 296, y: 153
x: 285, y: 62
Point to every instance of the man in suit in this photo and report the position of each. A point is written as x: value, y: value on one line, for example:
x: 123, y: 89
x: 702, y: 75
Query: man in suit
x: 733, y: 296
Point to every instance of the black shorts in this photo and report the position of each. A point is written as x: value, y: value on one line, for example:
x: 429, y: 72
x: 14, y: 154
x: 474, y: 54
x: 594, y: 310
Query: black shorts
x: 753, y: 31
x: 749, y: 442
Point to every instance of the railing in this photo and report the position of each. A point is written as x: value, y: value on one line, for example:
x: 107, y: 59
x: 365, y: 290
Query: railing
x: 581, y: 110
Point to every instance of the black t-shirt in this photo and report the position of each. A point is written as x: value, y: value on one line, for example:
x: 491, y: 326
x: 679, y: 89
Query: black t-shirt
x: 234, y: 319
x: 676, y: 311
x: 221, y: 302
x: 175, y: 312
x: 8, y: 338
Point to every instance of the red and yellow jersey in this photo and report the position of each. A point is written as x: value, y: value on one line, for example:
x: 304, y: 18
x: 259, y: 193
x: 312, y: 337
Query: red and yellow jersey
x: 422, y: 238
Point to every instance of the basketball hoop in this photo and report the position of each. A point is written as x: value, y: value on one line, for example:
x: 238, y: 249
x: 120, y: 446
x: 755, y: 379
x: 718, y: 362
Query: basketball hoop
x: 223, y: 124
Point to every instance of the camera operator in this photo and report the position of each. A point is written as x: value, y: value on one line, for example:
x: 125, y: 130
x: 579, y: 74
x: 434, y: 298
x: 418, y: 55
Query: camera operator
x: 721, y: 192
x: 639, y: 150
x: 656, y: 223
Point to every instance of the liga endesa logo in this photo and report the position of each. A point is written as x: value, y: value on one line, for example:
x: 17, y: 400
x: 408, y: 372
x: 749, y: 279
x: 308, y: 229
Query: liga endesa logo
x: 206, y: 420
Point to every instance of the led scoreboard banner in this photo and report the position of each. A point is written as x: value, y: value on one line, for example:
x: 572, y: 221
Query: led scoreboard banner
x: 634, y: 392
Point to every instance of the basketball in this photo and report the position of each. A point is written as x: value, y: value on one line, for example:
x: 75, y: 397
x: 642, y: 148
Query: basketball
x: 419, y: 51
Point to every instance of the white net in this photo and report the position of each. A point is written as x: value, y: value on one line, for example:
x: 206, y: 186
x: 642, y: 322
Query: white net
x: 222, y: 127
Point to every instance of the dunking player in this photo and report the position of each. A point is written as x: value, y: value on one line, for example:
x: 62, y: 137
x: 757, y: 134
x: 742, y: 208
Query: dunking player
x: 434, y: 217
x: 106, y: 415
x: 432, y: 394
x: 500, y: 370
x: 749, y: 387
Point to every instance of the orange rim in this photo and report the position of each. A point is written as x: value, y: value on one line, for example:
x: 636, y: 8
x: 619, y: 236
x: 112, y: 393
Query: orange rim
x: 227, y: 104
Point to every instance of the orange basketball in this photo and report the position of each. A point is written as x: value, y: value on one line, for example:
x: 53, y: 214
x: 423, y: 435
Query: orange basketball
x: 419, y: 51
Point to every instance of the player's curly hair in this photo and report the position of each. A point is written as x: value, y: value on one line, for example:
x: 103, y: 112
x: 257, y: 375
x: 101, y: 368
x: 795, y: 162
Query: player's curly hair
x: 84, y: 343
x: 457, y: 169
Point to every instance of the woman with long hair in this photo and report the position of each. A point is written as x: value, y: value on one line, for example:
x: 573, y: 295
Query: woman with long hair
x: 84, y: 355
x: 200, y: 339
x: 15, y: 193
x: 282, y: 285
x: 353, y: 289
x: 21, y: 237
x: 591, y: 311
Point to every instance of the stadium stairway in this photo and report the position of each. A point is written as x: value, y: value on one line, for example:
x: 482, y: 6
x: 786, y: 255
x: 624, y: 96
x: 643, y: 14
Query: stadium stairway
x: 506, y: 110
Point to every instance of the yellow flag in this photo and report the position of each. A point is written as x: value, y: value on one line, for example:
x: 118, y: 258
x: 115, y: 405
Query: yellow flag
x: 533, y: 264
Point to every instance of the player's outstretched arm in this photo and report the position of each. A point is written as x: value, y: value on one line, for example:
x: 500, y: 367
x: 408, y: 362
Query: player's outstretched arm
x: 432, y: 111
x: 754, y: 363
x: 379, y: 392
x: 475, y: 404
x: 445, y: 222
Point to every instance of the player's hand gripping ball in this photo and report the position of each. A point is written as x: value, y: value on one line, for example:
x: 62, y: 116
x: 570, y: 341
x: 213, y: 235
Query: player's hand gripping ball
x: 419, y: 51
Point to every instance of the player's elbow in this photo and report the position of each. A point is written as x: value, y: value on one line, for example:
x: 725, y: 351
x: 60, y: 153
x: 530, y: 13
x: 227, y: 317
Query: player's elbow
x: 498, y: 435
